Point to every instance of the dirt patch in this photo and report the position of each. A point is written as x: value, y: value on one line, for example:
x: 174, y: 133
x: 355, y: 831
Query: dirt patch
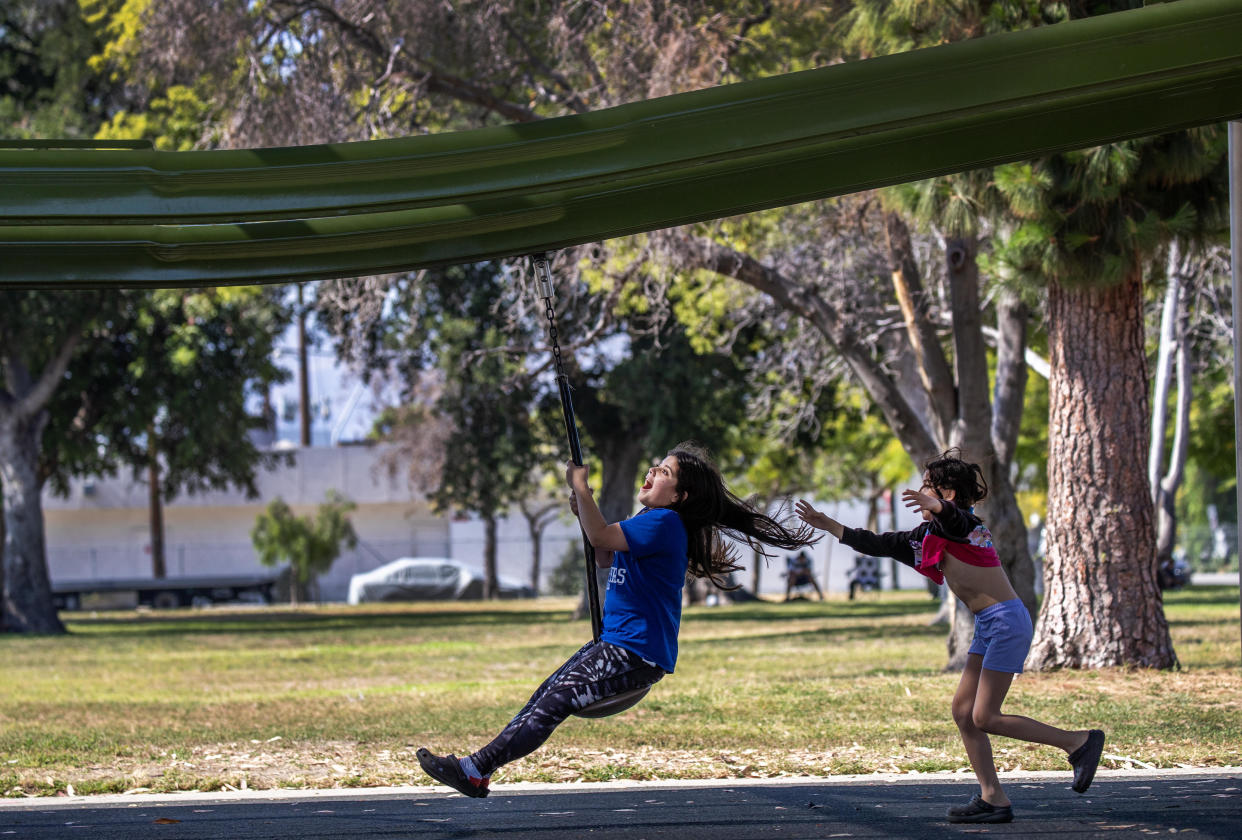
x: 280, y: 764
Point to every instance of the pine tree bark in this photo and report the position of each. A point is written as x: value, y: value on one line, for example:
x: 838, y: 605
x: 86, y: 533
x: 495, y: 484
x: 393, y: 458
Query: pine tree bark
x: 1102, y: 605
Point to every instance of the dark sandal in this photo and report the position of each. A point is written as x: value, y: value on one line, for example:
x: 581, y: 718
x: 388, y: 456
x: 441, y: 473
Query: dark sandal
x: 1086, y: 759
x: 976, y: 810
x: 447, y: 770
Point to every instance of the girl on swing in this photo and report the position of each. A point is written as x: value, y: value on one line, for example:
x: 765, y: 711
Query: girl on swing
x: 685, y: 508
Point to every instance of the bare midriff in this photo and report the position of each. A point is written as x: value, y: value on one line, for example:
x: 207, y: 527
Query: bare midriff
x: 979, y: 587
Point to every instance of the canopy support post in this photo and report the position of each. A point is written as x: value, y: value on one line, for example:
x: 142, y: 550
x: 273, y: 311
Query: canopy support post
x: 1235, y: 254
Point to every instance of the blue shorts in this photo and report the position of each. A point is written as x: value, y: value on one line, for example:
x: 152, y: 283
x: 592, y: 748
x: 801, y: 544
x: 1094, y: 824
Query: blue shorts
x: 1003, y: 636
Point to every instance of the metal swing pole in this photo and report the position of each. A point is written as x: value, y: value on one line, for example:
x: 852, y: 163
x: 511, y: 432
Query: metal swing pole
x: 541, y: 268
x: 1235, y: 260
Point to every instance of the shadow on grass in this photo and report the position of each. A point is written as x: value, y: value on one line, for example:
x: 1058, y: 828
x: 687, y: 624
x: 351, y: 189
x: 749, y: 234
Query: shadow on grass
x: 1203, y: 596
x: 829, y: 635
x: 836, y: 610
x: 1184, y: 623
x: 343, y: 620
x: 284, y: 622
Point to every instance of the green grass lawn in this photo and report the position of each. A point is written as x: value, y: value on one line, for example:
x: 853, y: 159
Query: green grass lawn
x: 342, y: 696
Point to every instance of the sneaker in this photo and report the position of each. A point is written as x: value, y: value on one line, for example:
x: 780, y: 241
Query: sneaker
x: 1086, y: 758
x: 447, y: 770
x: 977, y: 811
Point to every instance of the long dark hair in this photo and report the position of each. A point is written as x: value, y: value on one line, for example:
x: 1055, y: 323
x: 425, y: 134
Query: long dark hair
x: 709, y: 509
x: 949, y: 472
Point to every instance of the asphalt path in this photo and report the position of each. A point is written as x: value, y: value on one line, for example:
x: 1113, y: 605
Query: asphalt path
x: 1120, y: 804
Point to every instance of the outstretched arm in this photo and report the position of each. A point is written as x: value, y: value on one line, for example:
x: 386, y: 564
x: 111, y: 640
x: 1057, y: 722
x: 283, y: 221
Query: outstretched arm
x: 895, y: 544
x: 604, y: 537
x: 815, y: 519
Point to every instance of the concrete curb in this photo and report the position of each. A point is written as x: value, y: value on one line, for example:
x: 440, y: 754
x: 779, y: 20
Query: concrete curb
x: 134, y: 800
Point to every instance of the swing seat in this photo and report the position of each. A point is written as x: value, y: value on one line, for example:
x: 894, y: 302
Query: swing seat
x: 614, y: 704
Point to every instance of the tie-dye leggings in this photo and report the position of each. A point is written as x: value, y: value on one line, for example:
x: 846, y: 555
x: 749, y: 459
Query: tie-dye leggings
x: 596, y: 671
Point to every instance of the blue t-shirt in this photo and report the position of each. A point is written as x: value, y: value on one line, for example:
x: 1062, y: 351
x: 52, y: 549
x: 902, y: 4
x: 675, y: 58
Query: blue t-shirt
x: 642, y: 609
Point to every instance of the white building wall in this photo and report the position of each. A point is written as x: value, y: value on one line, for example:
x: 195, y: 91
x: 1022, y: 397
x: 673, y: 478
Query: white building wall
x: 101, y: 530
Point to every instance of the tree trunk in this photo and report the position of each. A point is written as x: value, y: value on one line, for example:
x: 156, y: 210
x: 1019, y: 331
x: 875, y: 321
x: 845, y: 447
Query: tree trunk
x: 1010, y: 535
x: 621, y: 458
x: 28, y: 606
x: 304, y: 415
x: 1004, y: 517
x: 155, y: 507
x: 1102, y: 606
x: 1174, y: 354
x: 982, y: 428
x: 971, y: 430
x: 938, y: 384
x: 538, y: 515
x: 2, y: 533
x: 489, y: 557
x: 1009, y: 393
x: 535, y: 529
x: 1166, y: 512
x: 894, y: 567
x: 27, y: 593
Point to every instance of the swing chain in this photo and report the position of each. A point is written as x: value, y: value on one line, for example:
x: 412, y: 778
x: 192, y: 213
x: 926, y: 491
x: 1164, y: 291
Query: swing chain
x: 542, y: 266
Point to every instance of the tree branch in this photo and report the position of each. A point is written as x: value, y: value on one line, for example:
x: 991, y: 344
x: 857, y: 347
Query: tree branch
x: 34, y: 400
x: 973, y: 403
x: 1035, y: 363
x: 905, y: 423
x: 439, y: 81
x: 433, y: 78
x: 572, y: 100
x: 933, y: 368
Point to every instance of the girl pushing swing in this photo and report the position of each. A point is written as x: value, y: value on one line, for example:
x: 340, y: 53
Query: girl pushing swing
x: 953, y: 546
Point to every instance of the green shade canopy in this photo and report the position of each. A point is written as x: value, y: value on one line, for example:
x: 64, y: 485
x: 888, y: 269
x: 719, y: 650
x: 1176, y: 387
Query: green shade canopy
x: 73, y: 217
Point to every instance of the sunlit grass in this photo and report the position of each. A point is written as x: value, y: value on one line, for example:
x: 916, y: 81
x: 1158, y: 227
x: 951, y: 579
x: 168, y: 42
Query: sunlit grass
x: 339, y: 696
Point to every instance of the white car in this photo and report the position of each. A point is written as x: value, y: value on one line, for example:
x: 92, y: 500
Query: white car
x: 426, y: 579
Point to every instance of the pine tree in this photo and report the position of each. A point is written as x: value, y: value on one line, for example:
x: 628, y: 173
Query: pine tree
x: 1090, y: 220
